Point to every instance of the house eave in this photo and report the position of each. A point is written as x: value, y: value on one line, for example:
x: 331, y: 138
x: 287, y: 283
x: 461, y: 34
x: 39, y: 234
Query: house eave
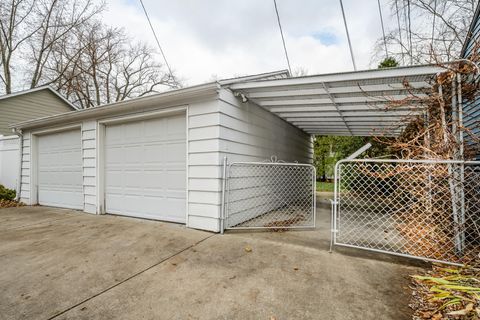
x: 46, y: 87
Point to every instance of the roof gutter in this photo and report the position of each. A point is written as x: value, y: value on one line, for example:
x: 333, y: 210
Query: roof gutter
x: 165, y: 99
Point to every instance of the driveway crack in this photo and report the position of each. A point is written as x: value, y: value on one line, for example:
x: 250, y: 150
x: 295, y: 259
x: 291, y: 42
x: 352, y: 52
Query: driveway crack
x: 131, y: 277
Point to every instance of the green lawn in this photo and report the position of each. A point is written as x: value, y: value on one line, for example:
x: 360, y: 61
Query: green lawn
x: 325, y: 186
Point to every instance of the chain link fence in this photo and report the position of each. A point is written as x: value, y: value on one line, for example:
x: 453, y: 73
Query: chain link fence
x: 269, y: 195
x: 422, y: 209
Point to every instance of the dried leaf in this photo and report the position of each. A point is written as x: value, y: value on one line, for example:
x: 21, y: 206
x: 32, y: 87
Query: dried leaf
x: 462, y: 312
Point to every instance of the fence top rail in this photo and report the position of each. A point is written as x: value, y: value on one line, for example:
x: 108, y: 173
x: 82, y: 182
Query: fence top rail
x: 432, y: 161
x: 272, y: 164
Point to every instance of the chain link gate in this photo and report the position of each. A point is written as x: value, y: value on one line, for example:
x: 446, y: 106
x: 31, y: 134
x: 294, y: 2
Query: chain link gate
x: 420, y: 209
x: 269, y: 195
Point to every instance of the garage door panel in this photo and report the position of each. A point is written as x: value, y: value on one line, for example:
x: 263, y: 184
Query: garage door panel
x: 155, y: 153
x: 63, y: 198
x: 128, y: 205
x: 113, y: 155
x: 175, y: 181
x: 113, y: 135
x: 60, y: 172
x: 176, y: 127
x: 147, y: 178
x: 174, y: 149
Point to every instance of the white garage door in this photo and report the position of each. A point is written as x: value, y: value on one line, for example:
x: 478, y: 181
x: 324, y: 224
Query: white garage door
x: 145, y: 169
x: 60, y: 170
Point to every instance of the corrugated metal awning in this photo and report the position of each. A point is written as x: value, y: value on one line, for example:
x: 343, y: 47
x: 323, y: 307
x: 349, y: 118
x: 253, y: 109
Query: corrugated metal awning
x: 350, y: 103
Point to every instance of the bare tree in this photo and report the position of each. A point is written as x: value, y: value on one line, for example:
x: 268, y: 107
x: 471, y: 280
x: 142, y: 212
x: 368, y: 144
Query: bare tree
x: 13, y: 17
x: 56, y: 19
x: 426, y: 29
x: 30, y: 29
x: 63, y: 44
x: 104, y: 66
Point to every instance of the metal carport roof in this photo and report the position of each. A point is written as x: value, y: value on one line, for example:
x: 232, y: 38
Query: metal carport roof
x: 349, y: 103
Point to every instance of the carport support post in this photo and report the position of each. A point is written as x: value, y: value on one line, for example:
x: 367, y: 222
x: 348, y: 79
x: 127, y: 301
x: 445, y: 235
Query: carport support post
x: 224, y: 184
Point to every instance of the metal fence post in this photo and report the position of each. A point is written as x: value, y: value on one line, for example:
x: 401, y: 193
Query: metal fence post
x: 224, y: 183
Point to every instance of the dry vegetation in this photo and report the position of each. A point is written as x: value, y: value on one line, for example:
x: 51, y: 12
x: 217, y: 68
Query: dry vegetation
x: 435, y: 133
x: 447, y: 293
x: 444, y: 292
x: 10, y: 203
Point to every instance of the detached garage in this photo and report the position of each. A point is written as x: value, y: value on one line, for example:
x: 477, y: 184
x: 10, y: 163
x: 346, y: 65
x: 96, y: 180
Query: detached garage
x: 156, y: 157
x: 161, y: 156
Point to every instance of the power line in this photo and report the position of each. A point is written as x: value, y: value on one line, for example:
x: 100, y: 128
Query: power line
x: 400, y: 32
x: 410, y: 32
x: 433, y: 26
x: 348, y: 37
x: 159, y: 46
x: 283, y: 39
x: 383, y: 28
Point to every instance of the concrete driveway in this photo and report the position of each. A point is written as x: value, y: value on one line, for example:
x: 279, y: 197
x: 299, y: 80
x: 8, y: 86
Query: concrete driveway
x: 64, y: 264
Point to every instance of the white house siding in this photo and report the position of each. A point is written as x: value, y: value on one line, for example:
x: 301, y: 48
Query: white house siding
x: 89, y: 152
x: 241, y: 132
x: 204, y: 171
x: 250, y: 133
x: 25, y: 187
x: 9, y: 161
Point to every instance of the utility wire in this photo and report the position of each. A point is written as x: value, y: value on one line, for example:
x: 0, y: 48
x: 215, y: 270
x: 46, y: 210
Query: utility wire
x: 433, y: 27
x: 283, y: 39
x: 405, y: 21
x: 348, y: 37
x: 410, y: 32
x: 400, y: 32
x: 159, y: 46
x: 383, y: 28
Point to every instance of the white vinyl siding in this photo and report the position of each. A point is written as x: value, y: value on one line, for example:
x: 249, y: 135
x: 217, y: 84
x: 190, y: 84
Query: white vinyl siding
x: 242, y: 132
x: 9, y: 161
x: 204, y: 171
x: 250, y: 133
x: 26, y: 183
x: 89, y: 154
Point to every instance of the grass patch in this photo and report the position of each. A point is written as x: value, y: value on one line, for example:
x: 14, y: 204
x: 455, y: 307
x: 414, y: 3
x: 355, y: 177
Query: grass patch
x: 325, y: 186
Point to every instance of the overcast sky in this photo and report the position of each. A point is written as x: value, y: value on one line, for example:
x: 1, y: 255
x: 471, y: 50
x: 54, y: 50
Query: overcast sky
x: 224, y: 38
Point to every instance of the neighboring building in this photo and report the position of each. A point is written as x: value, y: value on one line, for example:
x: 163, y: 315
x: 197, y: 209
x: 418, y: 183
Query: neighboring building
x: 22, y: 106
x: 30, y: 104
x: 471, y: 109
x: 160, y: 156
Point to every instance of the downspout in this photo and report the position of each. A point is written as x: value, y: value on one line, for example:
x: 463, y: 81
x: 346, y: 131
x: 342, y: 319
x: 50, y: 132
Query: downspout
x: 20, y: 154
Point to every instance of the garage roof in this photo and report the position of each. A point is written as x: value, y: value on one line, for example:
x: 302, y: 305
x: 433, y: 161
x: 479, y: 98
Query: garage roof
x: 349, y: 103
